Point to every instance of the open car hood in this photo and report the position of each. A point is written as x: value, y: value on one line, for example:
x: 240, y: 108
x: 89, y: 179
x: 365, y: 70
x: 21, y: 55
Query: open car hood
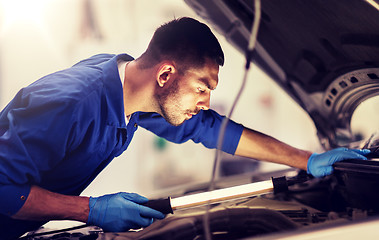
x: 324, y: 54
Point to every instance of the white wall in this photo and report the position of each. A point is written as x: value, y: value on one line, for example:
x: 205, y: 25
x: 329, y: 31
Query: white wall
x: 42, y: 36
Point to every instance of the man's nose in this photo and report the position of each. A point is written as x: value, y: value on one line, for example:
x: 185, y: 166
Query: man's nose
x: 204, y: 103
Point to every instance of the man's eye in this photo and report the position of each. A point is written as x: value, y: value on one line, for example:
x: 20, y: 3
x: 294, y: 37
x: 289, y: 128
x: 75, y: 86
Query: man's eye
x: 200, y: 89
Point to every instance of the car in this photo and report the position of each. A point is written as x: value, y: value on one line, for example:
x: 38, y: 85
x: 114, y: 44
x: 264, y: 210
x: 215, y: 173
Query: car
x: 325, y: 56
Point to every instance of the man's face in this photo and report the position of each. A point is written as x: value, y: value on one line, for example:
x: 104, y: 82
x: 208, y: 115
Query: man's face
x: 188, y: 93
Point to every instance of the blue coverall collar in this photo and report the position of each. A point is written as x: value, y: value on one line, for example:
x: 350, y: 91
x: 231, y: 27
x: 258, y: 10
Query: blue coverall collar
x: 113, y: 88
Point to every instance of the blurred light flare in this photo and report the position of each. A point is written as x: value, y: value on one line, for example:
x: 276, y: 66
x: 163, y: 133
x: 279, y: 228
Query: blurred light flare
x: 373, y: 3
x: 22, y: 11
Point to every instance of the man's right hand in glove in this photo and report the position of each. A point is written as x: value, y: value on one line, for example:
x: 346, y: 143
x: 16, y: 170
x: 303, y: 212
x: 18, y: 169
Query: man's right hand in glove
x: 120, y: 212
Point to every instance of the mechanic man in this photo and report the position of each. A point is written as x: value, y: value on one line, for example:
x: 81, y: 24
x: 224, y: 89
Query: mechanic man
x: 61, y: 131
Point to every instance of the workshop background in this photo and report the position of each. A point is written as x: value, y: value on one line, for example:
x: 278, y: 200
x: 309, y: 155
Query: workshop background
x: 38, y: 37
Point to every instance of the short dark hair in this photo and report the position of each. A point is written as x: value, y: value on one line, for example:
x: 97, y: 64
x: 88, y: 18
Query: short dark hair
x: 186, y: 41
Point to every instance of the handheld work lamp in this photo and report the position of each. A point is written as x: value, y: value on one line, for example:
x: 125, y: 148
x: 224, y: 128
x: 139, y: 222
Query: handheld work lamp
x: 169, y: 205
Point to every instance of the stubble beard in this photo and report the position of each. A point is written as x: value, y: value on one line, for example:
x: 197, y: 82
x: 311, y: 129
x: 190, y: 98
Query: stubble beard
x: 169, y: 104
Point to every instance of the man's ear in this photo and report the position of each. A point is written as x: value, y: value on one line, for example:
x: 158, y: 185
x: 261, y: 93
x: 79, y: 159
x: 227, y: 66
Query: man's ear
x: 165, y: 73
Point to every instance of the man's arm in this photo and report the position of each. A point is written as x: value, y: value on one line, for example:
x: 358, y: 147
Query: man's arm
x: 259, y: 146
x: 43, y: 205
x: 114, y: 212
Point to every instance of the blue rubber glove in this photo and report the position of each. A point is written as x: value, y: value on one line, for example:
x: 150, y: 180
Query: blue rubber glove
x: 120, y: 212
x: 320, y: 165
